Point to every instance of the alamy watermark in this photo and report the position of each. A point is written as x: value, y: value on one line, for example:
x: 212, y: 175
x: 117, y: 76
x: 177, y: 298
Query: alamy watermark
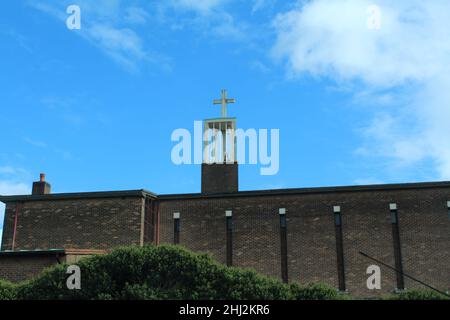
x: 73, y: 22
x: 374, y: 280
x: 73, y: 282
x: 227, y: 146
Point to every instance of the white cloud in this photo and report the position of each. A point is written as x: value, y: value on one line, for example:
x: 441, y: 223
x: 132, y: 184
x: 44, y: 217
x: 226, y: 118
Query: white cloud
x: 20, y: 39
x: 49, y: 9
x: 331, y: 38
x: 35, y: 143
x: 102, y: 24
x: 409, y: 57
x: 259, y: 66
x: 136, y: 15
x: 123, y: 45
x: 209, y: 18
x: 200, y: 6
x: 261, y: 4
x: 101, y: 9
x: 367, y: 181
x: 8, y: 187
x: 225, y: 26
x: 7, y: 170
x: 388, y: 135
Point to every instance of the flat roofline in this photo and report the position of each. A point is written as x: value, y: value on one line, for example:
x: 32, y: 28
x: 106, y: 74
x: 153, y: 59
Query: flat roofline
x: 44, y: 252
x: 79, y: 195
x: 314, y: 190
x: 219, y: 119
x: 251, y: 193
x: 38, y: 252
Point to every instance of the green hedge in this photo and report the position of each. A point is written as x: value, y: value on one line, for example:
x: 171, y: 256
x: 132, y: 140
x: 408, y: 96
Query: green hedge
x: 417, y: 294
x: 170, y: 272
x: 164, y: 272
x: 7, y: 290
x: 315, y: 292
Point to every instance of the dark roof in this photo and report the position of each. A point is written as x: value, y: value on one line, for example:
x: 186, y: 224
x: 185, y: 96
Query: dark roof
x: 79, y: 195
x: 44, y: 252
x: 32, y: 252
x: 273, y: 192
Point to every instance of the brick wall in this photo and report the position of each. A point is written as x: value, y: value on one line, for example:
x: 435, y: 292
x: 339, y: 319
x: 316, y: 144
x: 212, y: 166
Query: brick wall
x: 311, y: 245
x: 425, y: 237
x: 202, y: 226
x: 367, y: 227
x: 19, y: 268
x: 82, y: 223
x: 220, y: 178
x: 255, y: 231
x: 311, y: 239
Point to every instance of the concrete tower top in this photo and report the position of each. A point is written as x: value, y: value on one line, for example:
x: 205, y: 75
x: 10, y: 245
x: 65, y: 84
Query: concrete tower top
x: 220, y: 168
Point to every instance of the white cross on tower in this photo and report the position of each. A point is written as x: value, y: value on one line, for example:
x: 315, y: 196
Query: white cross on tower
x: 224, y: 101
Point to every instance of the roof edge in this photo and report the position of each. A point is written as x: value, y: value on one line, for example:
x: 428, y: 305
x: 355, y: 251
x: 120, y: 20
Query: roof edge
x: 79, y: 195
x: 44, y: 252
x: 335, y: 189
x: 250, y: 193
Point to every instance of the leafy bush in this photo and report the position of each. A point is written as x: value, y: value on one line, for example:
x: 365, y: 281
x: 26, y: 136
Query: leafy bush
x: 315, y: 291
x: 7, y: 290
x: 417, y: 294
x: 164, y: 272
x: 171, y: 272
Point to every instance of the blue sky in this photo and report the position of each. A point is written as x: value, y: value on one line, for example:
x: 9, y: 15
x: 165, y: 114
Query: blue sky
x: 95, y: 108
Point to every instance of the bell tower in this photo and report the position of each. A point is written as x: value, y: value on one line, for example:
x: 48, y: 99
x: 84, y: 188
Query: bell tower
x: 219, y: 166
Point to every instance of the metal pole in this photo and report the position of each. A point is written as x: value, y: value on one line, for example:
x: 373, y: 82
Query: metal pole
x: 404, y: 274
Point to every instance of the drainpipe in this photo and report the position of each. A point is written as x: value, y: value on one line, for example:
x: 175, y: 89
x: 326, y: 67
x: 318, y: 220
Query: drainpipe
x: 157, y: 223
x: 15, y: 226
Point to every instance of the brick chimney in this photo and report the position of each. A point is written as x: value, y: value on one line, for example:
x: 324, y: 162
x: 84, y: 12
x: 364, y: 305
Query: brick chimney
x: 41, y: 187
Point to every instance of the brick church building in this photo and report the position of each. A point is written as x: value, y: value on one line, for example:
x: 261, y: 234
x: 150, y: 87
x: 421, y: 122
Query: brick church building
x: 305, y: 235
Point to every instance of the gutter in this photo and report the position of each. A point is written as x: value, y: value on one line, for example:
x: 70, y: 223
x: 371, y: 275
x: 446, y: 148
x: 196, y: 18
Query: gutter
x: 316, y: 190
x: 79, y: 195
x: 252, y: 193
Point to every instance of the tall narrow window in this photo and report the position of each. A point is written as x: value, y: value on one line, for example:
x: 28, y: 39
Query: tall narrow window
x: 339, y: 247
x: 448, y: 209
x: 393, y: 209
x: 337, y: 217
x: 176, y: 227
x: 229, y: 230
x: 397, y: 246
x: 283, y: 243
